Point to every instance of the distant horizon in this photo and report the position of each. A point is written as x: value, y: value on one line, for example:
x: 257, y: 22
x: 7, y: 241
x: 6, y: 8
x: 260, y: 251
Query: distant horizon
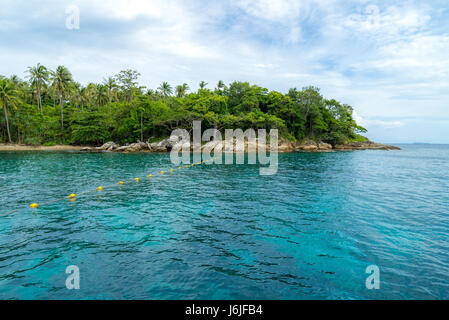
x: 415, y: 143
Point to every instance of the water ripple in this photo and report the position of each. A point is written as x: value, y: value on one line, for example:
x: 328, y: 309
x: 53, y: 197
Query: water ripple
x: 223, y: 231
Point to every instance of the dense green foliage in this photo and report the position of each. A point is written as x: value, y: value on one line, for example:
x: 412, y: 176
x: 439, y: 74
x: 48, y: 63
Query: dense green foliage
x: 52, y: 108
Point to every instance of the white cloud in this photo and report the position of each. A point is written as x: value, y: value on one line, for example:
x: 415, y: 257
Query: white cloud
x: 370, y: 123
x: 387, y: 61
x: 271, y: 10
x: 391, y: 22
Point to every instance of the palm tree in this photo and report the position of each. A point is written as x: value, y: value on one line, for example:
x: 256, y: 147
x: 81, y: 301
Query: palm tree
x: 61, y: 79
x: 75, y: 93
x: 203, y: 85
x: 102, y: 94
x: 182, y: 90
x: 165, y: 89
x: 7, y: 97
x: 83, y: 97
x: 220, y: 85
x: 38, y: 75
x: 15, y: 80
x: 111, y: 84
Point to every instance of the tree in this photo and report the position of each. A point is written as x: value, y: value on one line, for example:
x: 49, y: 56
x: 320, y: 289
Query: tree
x: 127, y: 80
x: 203, y: 85
x: 61, y: 80
x: 75, y: 93
x: 38, y: 76
x: 102, y: 94
x: 86, y: 111
x: 7, y: 97
x: 166, y: 89
x: 111, y: 85
x: 220, y: 85
x: 181, y: 90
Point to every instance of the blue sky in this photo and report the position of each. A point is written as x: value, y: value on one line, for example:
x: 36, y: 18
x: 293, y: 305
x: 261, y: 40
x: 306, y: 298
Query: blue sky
x: 388, y: 59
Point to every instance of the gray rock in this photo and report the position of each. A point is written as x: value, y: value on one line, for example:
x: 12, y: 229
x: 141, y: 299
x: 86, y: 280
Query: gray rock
x: 324, y: 146
x: 122, y: 149
x: 108, y: 146
x: 158, y: 147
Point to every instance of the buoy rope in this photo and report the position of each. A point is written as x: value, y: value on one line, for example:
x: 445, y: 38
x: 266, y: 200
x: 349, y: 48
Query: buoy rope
x: 73, y: 196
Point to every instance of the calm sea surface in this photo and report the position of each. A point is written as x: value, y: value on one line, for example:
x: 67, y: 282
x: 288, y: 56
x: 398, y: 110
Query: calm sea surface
x: 223, y: 231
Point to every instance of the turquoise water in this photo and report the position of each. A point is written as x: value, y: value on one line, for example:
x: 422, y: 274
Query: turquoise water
x: 223, y: 231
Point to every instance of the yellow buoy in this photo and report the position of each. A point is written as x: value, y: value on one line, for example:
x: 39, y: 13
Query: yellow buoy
x: 72, y: 196
x: 137, y: 179
x: 179, y: 168
x: 120, y: 183
x: 34, y: 205
x: 100, y: 188
x: 162, y: 172
x: 192, y: 164
x: 151, y: 176
x: 187, y: 167
x: 171, y: 170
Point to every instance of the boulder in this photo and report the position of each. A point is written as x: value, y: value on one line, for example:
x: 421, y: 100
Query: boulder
x: 122, y: 149
x: 108, y: 146
x: 232, y: 146
x: 134, y: 147
x: 322, y: 146
x: 365, y: 145
x: 180, y: 145
x: 285, y: 146
x: 308, y: 146
x: 254, y: 145
x: 213, y: 146
x: 159, y: 146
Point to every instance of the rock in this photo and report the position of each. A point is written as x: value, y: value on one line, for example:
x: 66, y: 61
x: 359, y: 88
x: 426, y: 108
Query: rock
x: 308, y: 146
x: 284, y: 146
x: 213, y: 146
x: 180, y: 145
x: 86, y: 149
x: 232, y: 146
x: 158, y: 147
x: 135, y: 147
x: 322, y: 146
x: 108, y: 146
x: 254, y: 145
x: 174, y: 142
x: 121, y: 149
x: 365, y: 145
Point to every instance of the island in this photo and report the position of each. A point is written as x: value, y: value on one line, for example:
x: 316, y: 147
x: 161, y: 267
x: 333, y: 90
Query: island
x: 49, y: 110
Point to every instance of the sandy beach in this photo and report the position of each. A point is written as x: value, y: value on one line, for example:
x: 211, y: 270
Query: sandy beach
x: 23, y: 147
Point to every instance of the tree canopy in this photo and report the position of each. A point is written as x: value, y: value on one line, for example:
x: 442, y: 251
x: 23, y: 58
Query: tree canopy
x: 50, y: 107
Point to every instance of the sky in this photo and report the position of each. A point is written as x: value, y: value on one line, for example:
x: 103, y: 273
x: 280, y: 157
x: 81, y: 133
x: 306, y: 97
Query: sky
x: 388, y: 59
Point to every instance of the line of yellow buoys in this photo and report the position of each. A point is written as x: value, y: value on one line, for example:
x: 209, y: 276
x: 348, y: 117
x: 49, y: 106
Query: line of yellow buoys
x: 72, y: 196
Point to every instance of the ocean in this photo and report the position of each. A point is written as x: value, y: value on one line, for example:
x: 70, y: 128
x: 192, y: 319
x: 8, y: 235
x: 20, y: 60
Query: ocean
x: 224, y: 231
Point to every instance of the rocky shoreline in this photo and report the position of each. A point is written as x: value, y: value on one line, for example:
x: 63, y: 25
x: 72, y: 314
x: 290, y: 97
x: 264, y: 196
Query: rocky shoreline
x: 229, y: 146
x: 225, y: 146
